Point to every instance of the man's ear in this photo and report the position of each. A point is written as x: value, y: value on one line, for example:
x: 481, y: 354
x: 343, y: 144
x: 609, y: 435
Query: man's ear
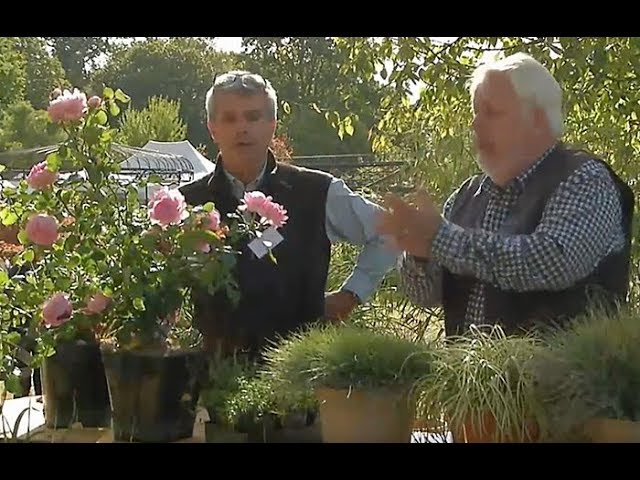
x: 540, y: 120
x: 212, y: 130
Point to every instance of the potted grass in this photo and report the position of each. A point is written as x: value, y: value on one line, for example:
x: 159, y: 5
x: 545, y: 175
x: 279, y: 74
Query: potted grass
x: 121, y: 274
x: 479, y: 388
x: 244, y: 406
x: 361, y: 379
x: 588, y: 379
x: 225, y: 378
x: 269, y: 415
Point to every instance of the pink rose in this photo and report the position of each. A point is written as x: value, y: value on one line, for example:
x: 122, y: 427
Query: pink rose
x: 254, y: 202
x: 57, y: 310
x: 274, y: 214
x: 97, y: 303
x: 40, y: 177
x: 94, y: 102
x: 168, y: 207
x: 212, y: 221
x: 42, y: 230
x: 68, y: 107
x: 204, y: 247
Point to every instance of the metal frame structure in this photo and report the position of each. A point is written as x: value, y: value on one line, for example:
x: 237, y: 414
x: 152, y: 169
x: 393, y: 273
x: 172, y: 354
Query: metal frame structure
x: 360, y: 171
x: 136, y: 163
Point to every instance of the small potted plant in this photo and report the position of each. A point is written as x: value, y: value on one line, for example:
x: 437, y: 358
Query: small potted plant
x: 362, y: 379
x: 588, y: 379
x: 479, y: 387
x: 226, y: 377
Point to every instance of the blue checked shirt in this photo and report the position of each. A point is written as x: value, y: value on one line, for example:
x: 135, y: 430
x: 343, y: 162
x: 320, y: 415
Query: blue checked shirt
x: 581, y: 224
x: 349, y: 218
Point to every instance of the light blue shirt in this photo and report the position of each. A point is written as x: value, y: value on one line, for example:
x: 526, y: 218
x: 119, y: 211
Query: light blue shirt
x: 350, y: 218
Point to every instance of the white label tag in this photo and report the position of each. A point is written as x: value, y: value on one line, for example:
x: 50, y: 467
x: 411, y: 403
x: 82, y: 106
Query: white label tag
x: 269, y: 239
x: 258, y: 248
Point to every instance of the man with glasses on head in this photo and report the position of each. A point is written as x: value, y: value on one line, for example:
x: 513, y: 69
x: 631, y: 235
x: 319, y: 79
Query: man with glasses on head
x: 277, y: 299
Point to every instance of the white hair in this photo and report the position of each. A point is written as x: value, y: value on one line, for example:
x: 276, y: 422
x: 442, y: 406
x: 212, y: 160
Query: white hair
x: 242, y: 81
x: 533, y: 83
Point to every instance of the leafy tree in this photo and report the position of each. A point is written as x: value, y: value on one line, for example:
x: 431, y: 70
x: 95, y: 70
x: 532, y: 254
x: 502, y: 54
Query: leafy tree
x: 80, y: 55
x: 160, y: 121
x: 12, y: 72
x: 179, y: 68
x: 43, y: 71
x: 316, y: 95
x: 21, y: 126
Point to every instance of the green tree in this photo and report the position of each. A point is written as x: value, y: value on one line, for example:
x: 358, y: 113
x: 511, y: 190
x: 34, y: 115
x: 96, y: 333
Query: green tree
x: 12, y: 72
x: 180, y: 68
x: 79, y: 55
x: 159, y: 121
x: 43, y: 71
x: 21, y: 126
x: 316, y: 95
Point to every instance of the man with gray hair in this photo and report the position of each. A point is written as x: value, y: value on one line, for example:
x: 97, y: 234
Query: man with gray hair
x: 543, y: 233
x: 277, y: 299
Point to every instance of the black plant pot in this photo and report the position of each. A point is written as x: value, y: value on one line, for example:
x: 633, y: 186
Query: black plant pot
x: 154, y: 395
x: 75, y: 387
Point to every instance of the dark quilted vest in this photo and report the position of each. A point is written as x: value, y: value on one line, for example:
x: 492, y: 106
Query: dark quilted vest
x: 521, y: 311
x: 275, y: 298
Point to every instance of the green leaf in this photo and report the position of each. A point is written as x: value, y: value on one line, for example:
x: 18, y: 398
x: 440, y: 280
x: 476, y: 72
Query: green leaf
x: 101, y: 117
x: 138, y: 304
x: 22, y: 237
x: 29, y: 255
x: 9, y: 219
x: 209, y: 207
x: 75, y: 260
x: 4, y: 278
x: 132, y: 197
x: 114, y: 109
x: 122, y: 97
x: 54, y: 161
x: 2, y: 168
x: 348, y: 129
x: 4, y: 299
x: 71, y: 242
x: 13, y: 338
x: 107, y: 93
x: 13, y: 384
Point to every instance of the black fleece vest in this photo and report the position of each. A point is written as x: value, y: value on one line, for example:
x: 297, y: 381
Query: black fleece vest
x: 275, y: 299
x: 522, y: 311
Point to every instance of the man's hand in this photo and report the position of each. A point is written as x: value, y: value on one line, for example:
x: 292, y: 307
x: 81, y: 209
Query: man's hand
x: 412, y: 224
x: 339, y: 305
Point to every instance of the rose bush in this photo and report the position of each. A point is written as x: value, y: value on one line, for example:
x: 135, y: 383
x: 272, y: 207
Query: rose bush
x: 98, y: 265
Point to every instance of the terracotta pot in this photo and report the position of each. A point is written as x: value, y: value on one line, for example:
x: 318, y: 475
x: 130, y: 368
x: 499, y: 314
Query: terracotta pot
x: 365, y: 416
x: 486, y: 432
x: 607, y: 430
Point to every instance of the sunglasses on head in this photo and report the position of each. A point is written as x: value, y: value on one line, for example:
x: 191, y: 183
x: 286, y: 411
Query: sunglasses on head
x: 251, y: 81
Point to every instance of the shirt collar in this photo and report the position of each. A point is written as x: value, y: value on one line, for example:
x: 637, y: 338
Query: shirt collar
x: 240, y: 188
